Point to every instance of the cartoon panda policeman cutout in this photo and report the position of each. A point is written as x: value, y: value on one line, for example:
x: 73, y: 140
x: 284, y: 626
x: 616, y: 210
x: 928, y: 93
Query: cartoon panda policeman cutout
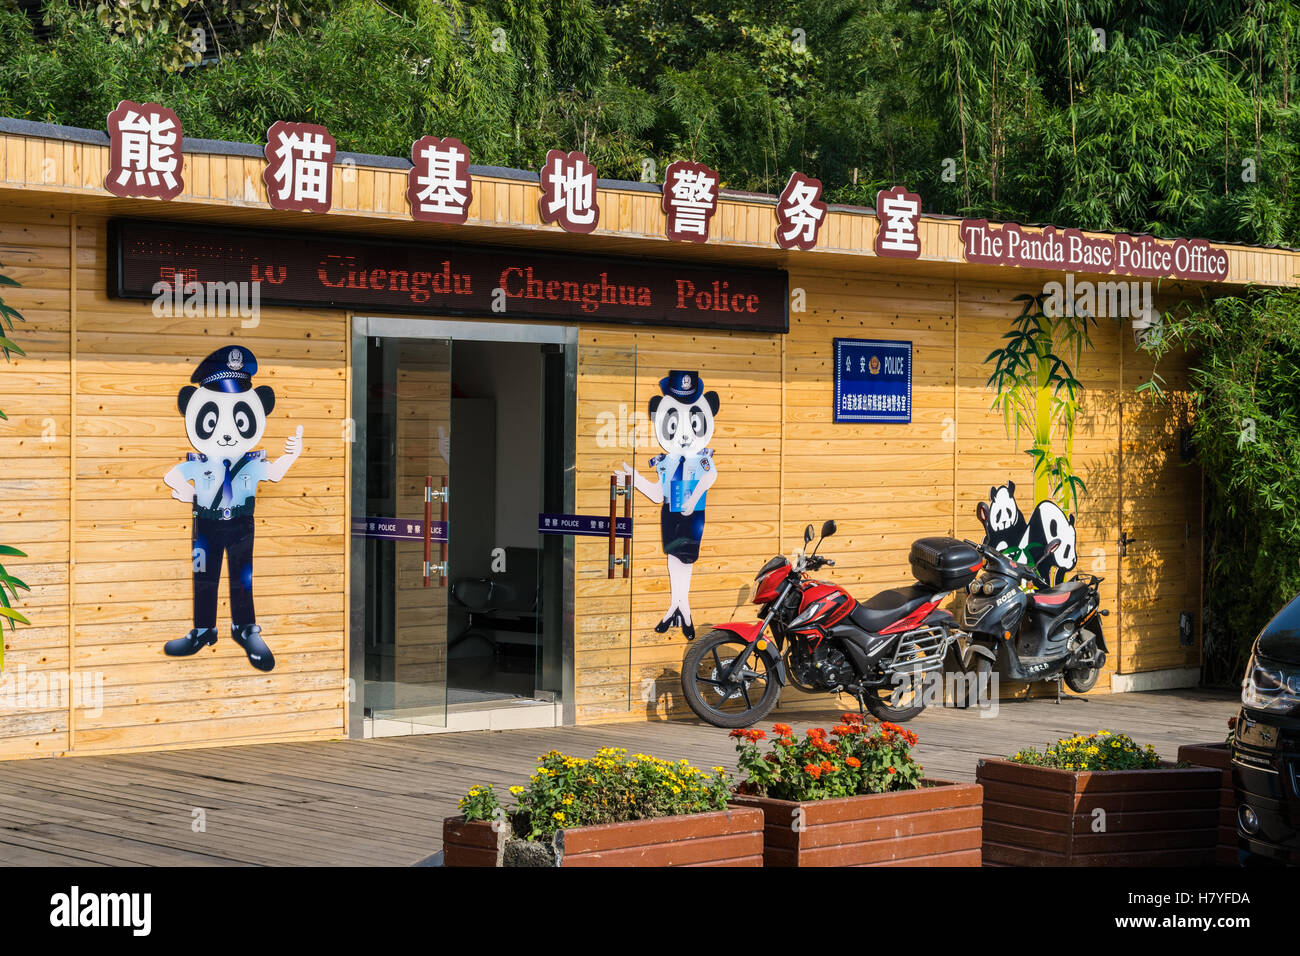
x: 683, y: 420
x: 225, y: 418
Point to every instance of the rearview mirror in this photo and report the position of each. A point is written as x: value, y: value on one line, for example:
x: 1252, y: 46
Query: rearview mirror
x: 807, y: 535
x: 828, y: 528
x: 982, y: 512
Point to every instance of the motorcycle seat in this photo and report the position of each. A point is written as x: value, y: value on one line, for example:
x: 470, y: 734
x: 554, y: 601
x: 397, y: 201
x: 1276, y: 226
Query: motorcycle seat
x: 1058, y: 596
x: 883, y: 609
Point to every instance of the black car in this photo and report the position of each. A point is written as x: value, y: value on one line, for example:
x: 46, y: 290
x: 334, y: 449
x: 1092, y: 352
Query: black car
x: 1266, y: 745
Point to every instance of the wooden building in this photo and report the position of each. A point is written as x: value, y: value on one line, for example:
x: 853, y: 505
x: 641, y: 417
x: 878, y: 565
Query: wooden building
x: 508, y: 408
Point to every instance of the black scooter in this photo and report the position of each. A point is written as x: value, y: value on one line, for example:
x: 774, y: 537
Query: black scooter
x: 1033, y: 633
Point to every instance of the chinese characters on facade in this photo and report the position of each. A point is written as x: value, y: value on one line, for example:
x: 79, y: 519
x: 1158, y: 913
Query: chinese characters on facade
x: 439, y: 186
x: 569, y: 192
x: 146, y: 162
x: 144, y: 151
x: 898, y: 214
x: 299, y: 172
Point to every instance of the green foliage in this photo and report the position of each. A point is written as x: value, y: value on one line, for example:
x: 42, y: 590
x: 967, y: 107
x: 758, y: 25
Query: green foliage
x: 1097, y: 751
x: 1176, y: 119
x: 1246, y: 431
x: 856, y: 758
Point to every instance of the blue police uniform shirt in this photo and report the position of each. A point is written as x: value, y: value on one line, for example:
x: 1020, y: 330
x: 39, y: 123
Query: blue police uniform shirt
x: 678, y: 476
x: 208, y: 476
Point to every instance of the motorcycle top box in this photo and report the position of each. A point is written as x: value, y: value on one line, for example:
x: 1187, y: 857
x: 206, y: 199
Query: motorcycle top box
x: 944, y: 564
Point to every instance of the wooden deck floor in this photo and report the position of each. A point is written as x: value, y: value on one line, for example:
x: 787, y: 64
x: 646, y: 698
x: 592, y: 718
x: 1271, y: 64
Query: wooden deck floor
x: 381, y: 802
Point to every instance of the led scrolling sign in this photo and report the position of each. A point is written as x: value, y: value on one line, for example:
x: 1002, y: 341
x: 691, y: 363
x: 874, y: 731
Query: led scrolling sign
x: 425, y: 278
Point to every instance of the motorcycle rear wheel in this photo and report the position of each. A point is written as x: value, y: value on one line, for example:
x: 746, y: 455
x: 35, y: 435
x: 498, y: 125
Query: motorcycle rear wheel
x: 1083, y: 679
x: 741, y: 702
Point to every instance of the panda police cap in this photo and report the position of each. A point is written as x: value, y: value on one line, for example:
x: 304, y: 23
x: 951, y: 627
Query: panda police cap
x: 686, y: 387
x: 228, y: 369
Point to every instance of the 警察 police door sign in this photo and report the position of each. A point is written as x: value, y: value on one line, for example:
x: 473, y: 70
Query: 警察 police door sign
x: 873, y: 381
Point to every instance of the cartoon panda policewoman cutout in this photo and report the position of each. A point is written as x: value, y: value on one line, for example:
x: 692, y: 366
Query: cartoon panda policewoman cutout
x: 683, y: 421
x: 225, y: 417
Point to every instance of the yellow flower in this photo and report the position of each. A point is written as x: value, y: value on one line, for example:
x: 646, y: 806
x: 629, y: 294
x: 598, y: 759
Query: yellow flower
x: 516, y: 790
x: 558, y: 816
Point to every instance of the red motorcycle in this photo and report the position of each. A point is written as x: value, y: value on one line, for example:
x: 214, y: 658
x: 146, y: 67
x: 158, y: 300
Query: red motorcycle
x: 815, y: 635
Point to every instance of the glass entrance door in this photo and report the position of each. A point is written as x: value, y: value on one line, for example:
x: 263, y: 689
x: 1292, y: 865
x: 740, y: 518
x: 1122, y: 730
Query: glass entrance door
x: 404, y: 532
x: 463, y: 446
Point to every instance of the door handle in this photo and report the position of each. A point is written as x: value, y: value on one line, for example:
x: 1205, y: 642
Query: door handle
x: 429, y: 567
x: 617, y: 488
x: 1124, y: 541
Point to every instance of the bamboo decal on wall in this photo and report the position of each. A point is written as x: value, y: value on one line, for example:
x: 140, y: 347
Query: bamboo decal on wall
x: 1037, y: 392
x: 7, y: 581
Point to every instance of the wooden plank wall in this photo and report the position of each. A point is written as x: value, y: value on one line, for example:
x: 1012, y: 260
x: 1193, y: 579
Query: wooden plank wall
x: 782, y: 463
x: 110, y: 552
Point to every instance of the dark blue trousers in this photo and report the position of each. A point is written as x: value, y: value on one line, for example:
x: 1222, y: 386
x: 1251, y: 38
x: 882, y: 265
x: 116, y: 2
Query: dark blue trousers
x: 215, y: 540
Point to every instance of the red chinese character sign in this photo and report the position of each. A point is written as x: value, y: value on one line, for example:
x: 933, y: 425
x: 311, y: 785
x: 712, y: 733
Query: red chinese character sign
x: 569, y: 191
x: 439, y: 187
x: 898, y: 215
x: 144, y: 151
x: 690, y: 200
x: 800, y: 213
x: 299, y: 172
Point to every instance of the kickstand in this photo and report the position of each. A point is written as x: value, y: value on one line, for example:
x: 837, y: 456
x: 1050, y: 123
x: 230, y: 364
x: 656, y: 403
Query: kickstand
x: 1059, y: 696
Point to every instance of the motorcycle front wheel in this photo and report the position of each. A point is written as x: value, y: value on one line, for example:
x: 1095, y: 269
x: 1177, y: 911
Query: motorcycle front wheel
x: 896, y: 703
x: 723, y: 699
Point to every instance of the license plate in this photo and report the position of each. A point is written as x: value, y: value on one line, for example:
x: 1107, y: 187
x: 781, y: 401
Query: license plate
x: 1262, y: 736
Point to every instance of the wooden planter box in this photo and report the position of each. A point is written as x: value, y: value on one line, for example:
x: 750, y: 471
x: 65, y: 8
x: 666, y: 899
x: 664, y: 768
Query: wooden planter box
x: 732, y: 837
x: 1040, y: 816
x: 937, y: 824
x: 1219, y: 757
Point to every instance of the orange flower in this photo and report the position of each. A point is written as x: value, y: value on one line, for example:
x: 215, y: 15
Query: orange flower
x: 828, y: 767
x: 892, y: 770
x: 816, y: 733
x: 853, y: 762
x: 813, y: 770
x: 782, y: 730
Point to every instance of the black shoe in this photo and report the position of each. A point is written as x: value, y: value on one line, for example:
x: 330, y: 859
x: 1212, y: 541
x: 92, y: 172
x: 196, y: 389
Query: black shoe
x: 672, y: 620
x: 191, y: 643
x: 249, y: 637
x: 689, y: 631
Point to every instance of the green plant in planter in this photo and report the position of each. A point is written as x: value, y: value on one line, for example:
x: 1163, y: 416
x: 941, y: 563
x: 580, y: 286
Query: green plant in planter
x: 610, y: 787
x: 480, y: 803
x: 857, y: 757
x: 1102, y: 750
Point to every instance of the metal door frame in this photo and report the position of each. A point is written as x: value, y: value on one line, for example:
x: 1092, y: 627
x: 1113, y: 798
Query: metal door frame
x: 366, y: 327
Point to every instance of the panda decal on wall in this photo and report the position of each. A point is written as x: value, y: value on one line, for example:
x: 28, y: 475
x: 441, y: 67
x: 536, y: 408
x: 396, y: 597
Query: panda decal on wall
x: 225, y: 417
x: 683, y: 421
x: 1006, y: 525
x: 1027, y: 541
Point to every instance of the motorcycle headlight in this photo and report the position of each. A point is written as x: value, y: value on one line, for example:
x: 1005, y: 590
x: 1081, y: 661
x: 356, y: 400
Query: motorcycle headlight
x: 1270, y: 686
x: 808, y: 614
x: 990, y: 587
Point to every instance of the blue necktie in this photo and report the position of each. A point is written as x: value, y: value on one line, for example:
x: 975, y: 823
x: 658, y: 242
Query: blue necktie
x: 227, y: 491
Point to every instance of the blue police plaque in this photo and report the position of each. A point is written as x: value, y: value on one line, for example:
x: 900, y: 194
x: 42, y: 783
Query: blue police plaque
x: 873, y: 381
